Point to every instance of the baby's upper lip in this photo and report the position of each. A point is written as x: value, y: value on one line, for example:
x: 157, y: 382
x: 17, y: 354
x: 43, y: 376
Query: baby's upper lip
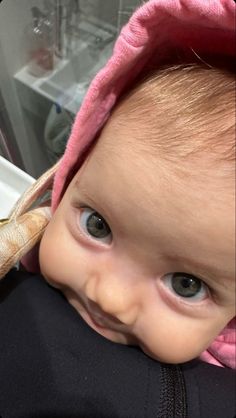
x: 102, y: 318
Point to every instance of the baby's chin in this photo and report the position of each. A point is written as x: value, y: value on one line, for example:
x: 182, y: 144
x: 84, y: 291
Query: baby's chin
x: 169, y: 357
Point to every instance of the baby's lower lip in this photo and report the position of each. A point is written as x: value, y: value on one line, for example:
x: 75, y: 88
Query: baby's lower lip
x: 99, y: 322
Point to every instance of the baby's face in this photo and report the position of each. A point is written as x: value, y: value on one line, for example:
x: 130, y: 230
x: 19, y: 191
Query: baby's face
x: 146, y: 256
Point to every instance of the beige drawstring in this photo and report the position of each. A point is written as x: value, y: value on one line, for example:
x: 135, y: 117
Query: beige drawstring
x: 19, y: 235
x: 25, y: 227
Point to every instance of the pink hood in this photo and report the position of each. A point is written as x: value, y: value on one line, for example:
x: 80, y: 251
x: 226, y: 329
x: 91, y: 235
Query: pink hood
x: 205, y: 26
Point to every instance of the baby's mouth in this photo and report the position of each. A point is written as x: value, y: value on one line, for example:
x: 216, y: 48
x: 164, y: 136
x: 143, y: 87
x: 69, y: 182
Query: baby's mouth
x: 101, y: 318
x: 94, y: 315
x: 104, y: 324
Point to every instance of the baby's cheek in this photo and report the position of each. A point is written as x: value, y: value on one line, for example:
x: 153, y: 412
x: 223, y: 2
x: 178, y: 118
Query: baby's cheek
x: 63, y: 262
x: 176, y: 340
x: 53, y: 254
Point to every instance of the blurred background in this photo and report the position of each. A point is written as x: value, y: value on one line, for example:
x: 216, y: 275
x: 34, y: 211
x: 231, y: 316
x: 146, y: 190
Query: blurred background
x: 49, y: 52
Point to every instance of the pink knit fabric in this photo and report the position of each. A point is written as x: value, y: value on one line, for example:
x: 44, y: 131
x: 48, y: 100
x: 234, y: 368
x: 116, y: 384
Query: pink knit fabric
x: 152, y: 32
x: 222, y: 352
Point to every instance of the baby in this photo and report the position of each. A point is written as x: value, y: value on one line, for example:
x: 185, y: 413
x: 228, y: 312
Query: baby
x: 138, y: 243
x: 141, y: 241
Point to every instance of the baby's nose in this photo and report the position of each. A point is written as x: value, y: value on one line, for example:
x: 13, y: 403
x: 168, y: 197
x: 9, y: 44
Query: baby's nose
x: 114, y: 297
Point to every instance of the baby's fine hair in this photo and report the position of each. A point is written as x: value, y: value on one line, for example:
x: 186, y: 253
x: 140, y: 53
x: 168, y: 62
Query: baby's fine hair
x: 185, y: 110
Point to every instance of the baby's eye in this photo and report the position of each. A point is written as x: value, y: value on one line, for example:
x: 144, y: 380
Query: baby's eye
x: 94, y: 225
x: 186, y: 286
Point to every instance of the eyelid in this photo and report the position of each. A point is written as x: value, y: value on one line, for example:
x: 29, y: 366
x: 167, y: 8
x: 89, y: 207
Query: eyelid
x: 83, y: 200
x: 200, y: 296
x: 87, y: 239
x: 181, y: 304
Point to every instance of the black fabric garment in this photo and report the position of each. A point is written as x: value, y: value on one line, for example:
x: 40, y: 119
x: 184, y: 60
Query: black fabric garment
x: 53, y: 365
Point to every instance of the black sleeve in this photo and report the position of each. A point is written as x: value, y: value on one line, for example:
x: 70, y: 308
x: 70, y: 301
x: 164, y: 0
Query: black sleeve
x: 53, y: 365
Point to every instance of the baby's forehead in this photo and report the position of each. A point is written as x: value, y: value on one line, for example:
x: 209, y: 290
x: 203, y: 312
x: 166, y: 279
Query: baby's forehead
x: 180, y: 113
x: 119, y: 158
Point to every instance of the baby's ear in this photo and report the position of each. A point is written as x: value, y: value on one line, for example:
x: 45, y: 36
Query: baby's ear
x: 19, y: 236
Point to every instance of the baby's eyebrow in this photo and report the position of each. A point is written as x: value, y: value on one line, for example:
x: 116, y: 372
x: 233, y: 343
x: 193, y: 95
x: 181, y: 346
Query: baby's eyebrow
x: 96, y: 204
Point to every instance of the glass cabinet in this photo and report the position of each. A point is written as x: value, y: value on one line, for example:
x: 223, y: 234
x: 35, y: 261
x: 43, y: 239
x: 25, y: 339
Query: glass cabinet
x: 49, y: 52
